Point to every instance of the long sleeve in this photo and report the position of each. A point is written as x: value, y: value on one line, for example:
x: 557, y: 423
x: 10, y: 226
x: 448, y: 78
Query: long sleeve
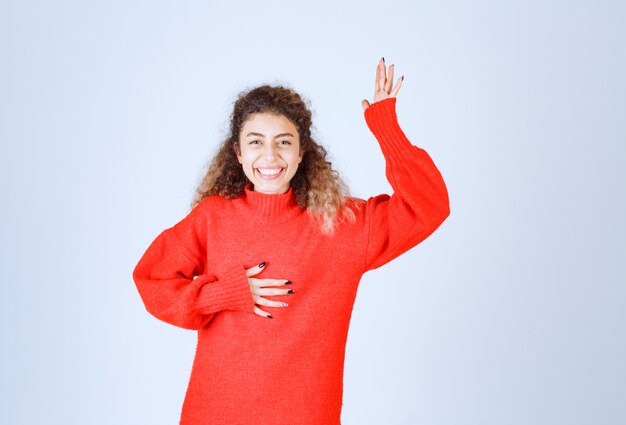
x: 174, y: 285
x: 419, y: 203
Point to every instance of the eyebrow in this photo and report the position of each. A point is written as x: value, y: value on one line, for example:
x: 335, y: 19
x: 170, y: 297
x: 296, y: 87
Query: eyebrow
x: 278, y: 135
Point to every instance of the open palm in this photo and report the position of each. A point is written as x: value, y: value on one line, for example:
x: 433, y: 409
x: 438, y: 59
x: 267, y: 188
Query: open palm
x: 383, y: 84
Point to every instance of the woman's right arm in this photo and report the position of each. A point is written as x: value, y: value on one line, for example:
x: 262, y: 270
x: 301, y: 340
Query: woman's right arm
x: 171, y: 278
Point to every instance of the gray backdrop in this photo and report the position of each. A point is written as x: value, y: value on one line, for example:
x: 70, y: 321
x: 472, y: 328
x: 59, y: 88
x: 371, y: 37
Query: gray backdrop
x: 513, y: 312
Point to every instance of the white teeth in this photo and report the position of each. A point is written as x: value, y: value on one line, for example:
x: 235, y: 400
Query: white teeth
x: 269, y: 171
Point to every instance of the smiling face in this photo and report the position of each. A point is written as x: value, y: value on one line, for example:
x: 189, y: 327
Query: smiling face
x: 269, y: 152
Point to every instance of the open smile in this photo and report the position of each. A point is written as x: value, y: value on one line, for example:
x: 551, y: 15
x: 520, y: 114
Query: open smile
x: 269, y: 173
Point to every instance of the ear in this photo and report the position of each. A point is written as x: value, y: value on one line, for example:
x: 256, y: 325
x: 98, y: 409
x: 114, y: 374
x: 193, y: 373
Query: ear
x: 301, y: 154
x: 237, y: 152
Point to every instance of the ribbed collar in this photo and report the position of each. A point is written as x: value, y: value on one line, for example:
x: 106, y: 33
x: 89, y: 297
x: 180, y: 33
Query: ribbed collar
x: 274, y: 208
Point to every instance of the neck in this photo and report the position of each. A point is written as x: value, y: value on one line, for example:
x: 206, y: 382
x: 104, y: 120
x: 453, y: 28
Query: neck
x: 268, y: 207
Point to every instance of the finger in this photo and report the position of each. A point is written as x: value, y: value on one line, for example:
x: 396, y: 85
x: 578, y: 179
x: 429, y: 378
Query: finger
x: 256, y: 269
x: 270, y: 303
x: 270, y: 282
x: 397, y: 88
x: 274, y: 291
x: 254, y: 282
x: 382, y: 77
x: 389, y: 79
x: 365, y: 104
x: 262, y: 313
x: 377, y: 75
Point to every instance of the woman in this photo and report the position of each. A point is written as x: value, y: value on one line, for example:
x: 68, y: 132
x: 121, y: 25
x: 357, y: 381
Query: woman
x: 274, y: 235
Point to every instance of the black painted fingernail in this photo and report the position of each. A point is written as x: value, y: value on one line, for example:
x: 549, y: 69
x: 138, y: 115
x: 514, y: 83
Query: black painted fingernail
x: 291, y: 291
x: 262, y: 264
x: 383, y: 59
x: 402, y: 78
x: 288, y: 282
x: 270, y: 316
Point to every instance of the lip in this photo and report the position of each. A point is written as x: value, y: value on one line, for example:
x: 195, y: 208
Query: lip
x: 272, y: 177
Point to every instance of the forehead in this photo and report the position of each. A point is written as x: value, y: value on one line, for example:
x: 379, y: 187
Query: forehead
x: 267, y: 123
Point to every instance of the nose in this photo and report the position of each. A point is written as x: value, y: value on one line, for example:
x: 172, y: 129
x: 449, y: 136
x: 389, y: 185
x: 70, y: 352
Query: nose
x: 269, y: 151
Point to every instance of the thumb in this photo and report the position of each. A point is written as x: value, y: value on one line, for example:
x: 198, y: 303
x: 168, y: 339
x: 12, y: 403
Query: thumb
x: 365, y: 104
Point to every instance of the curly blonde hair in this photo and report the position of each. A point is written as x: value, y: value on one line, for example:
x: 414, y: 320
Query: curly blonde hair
x: 317, y: 186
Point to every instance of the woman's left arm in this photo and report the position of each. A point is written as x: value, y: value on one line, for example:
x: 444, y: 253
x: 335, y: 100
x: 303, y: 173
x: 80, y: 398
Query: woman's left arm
x: 419, y: 203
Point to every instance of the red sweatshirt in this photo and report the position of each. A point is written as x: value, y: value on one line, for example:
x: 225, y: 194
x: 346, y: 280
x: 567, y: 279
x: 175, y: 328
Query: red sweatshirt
x: 250, y: 369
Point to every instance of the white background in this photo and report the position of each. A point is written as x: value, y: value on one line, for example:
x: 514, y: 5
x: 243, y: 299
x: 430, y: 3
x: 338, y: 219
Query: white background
x: 512, y: 312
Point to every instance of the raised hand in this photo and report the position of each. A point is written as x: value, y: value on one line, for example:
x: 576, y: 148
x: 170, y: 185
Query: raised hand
x: 383, y: 84
x: 257, y: 287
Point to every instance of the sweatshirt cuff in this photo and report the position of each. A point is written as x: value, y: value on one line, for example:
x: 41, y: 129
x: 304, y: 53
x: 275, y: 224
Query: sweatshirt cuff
x: 382, y: 120
x: 231, y: 291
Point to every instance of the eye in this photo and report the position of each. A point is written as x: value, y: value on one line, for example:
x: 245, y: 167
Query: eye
x: 285, y: 142
x: 253, y: 142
